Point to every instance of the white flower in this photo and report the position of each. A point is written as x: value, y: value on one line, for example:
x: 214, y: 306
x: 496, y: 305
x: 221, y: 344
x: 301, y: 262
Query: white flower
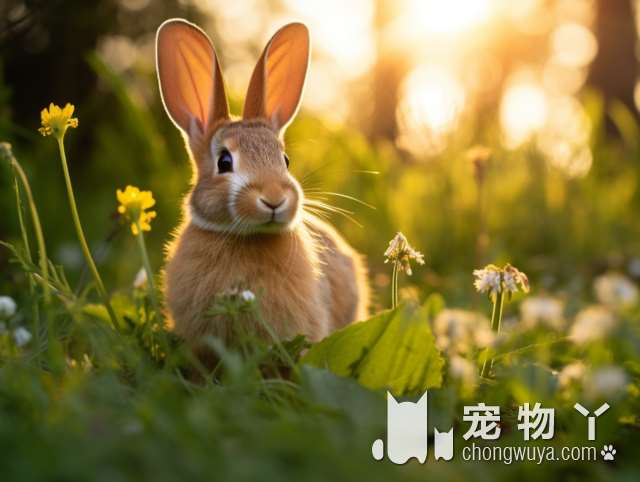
x: 462, y: 369
x: 21, y: 336
x: 494, y: 280
x: 402, y: 253
x: 248, y: 296
x: 606, y: 382
x: 460, y: 331
x: 542, y: 309
x: 615, y: 290
x: 488, y: 280
x: 510, y: 282
x: 7, y: 307
x: 140, y: 281
x: 592, y: 323
x: 514, y: 279
x: 573, y: 372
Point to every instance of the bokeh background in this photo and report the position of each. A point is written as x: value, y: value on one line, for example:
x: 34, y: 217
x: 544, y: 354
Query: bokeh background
x: 488, y: 131
x: 485, y: 130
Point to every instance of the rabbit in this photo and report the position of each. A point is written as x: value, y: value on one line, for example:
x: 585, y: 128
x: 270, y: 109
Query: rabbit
x: 244, y: 227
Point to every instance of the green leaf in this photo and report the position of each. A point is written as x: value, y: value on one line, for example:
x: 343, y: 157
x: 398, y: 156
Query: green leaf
x: 394, y: 350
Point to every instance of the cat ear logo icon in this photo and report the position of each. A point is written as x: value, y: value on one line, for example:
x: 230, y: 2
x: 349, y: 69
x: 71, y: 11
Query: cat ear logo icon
x: 407, y: 434
x: 443, y: 444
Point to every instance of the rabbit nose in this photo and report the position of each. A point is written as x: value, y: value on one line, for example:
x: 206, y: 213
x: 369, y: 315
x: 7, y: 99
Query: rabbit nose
x: 271, y: 205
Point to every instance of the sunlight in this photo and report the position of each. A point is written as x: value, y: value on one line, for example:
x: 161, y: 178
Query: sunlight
x: 450, y: 16
x: 573, y: 45
x: 564, y: 140
x: 431, y: 104
x: 523, y: 111
x: 342, y: 30
x: 342, y: 42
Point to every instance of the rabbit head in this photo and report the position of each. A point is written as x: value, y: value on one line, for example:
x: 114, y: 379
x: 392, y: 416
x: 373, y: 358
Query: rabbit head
x: 241, y: 178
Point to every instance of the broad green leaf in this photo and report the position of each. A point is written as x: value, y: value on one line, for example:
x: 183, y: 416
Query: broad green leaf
x: 394, y: 350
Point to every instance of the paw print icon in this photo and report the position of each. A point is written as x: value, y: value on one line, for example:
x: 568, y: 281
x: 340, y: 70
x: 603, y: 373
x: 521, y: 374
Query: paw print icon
x: 608, y: 452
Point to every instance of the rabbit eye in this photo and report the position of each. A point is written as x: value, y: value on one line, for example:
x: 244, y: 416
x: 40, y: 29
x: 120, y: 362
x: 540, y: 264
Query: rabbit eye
x: 286, y: 159
x: 225, y: 162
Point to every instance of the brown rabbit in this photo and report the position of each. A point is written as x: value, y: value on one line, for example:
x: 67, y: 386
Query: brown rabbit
x: 244, y: 226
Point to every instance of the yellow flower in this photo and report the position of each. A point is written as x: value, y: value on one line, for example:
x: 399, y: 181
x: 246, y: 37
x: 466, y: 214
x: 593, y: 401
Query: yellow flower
x: 133, y: 206
x: 56, y: 120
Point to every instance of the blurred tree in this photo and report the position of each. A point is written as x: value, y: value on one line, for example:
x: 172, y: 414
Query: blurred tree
x: 44, y: 45
x: 614, y: 71
x: 387, y: 75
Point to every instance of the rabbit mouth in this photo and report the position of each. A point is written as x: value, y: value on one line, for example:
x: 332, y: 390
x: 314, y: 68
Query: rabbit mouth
x: 272, y: 227
x: 277, y: 223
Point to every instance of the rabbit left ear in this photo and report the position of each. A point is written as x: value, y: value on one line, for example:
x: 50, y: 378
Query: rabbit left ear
x: 278, y: 79
x: 189, y: 76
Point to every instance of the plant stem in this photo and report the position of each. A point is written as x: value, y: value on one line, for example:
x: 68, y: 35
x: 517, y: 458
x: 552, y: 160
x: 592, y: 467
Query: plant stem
x: 83, y: 242
x: 37, y: 228
x: 496, y: 321
x: 147, y: 267
x: 394, y: 286
x: 27, y: 250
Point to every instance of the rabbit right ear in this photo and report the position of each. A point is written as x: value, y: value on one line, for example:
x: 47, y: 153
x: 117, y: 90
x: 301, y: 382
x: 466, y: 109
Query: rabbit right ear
x: 189, y: 75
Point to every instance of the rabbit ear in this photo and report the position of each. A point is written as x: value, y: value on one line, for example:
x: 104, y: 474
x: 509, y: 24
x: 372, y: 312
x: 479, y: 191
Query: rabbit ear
x: 189, y: 76
x: 276, y: 85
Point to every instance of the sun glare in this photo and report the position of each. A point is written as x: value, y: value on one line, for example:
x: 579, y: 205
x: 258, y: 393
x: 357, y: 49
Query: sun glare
x: 523, y: 111
x: 449, y: 16
x: 431, y: 104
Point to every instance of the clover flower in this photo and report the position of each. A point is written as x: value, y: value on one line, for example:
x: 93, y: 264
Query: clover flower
x: 462, y: 369
x: 133, y: 206
x: 592, y: 324
x: 494, y: 280
x: 401, y: 253
x: 542, y: 309
x: 21, y: 336
x: 606, y: 382
x: 248, y: 296
x: 56, y: 120
x: 461, y: 331
x: 488, y: 280
x: 615, y: 290
x: 572, y: 373
x: 233, y: 302
x: 140, y: 281
x: 7, y: 307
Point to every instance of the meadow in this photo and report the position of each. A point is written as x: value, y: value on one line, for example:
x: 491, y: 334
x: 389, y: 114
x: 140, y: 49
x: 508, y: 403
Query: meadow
x: 109, y: 394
